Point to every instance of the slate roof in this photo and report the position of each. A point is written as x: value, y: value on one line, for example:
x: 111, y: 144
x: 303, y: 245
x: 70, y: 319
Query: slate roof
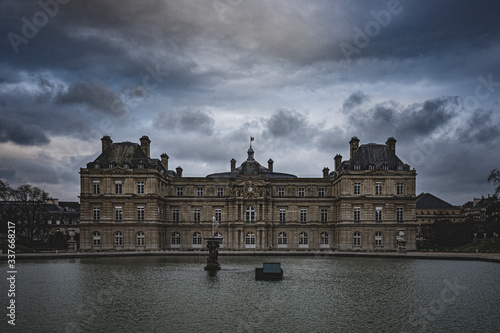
x: 251, y: 168
x: 429, y: 201
x: 375, y: 155
x: 122, y: 153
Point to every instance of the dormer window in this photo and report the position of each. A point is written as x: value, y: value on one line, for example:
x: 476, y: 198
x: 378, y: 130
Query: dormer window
x: 97, y: 166
x: 111, y: 165
x: 371, y: 167
x: 357, y: 167
x: 400, y: 167
x: 385, y: 167
x: 125, y: 166
x: 141, y: 166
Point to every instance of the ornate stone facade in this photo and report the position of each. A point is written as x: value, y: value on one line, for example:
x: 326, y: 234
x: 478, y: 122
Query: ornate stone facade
x: 132, y: 202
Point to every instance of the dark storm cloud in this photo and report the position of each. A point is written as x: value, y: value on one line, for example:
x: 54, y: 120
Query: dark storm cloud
x: 186, y: 120
x: 406, y: 122
x: 17, y: 130
x: 95, y: 94
x: 481, y: 128
x: 355, y: 99
x: 288, y: 125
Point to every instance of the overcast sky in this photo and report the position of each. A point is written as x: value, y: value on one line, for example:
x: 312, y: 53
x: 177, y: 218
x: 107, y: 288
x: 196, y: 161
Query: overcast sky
x: 201, y: 77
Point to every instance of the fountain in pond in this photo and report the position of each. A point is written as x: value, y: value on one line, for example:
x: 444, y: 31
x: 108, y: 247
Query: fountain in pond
x: 213, y: 249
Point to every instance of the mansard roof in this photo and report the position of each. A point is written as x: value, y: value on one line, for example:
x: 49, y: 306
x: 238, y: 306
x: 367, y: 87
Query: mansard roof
x: 126, y: 153
x: 429, y: 201
x: 374, y: 156
x: 251, y: 168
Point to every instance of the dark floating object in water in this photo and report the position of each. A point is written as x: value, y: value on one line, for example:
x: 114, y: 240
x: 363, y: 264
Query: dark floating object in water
x: 213, y: 253
x: 269, y: 271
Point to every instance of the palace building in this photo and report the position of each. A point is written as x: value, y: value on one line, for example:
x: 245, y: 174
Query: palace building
x: 130, y: 201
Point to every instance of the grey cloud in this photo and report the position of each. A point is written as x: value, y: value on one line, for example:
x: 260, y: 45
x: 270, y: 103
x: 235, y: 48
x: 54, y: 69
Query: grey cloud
x: 355, y: 99
x: 288, y: 125
x: 185, y: 120
x: 95, y: 94
x: 481, y: 128
x: 21, y: 131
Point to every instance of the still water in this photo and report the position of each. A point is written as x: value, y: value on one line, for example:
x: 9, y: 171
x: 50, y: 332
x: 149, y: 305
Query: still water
x: 318, y: 294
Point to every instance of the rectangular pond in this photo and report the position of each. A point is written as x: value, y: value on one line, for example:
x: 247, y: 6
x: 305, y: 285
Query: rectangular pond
x: 317, y: 294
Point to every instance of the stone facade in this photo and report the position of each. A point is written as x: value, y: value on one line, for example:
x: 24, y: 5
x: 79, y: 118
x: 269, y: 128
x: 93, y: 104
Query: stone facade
x: 130, y: 201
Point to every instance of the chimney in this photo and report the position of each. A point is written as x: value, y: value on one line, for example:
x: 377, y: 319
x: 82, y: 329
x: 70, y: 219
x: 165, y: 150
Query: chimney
x: 106, y: 142
x: 270, y: 165
x: 164, y: 160
x: 145, y: 145
x: 179, y: 171
x: 391, y: 143
x: 326, y: 172
x: 338, y: 161
x: 233, y: 165
x: 354, y: 146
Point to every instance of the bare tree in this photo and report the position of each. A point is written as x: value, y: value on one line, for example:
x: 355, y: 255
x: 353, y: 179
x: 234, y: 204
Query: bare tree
x: 495, y: 178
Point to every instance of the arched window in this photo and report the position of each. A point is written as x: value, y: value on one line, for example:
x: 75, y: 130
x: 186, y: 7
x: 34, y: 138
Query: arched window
x: 303, y: 238
x: 175, y: 238
x: 197, y: 238
x: 220, y: 236
x: 118, y: 238
x: 140, y: 238
x: 250, y: 214
x: 250, y: 238
x: 324, y: 239
x: 356, y: 239
x: 282, y: 239
x: 96, y: 238
x: 378, y: 238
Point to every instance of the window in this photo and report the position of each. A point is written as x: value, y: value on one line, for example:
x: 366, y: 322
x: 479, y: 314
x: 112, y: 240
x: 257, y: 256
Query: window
x: 96, y: 238
x: 324, y: 238
x: 140, y: 212
x: 250, y: 214
x: 179, y: 191
x: 140, y: 187
x: 111, y: 165
x: 140, y: 238
x: 175, y: 215
x: 378, y: 213
x: 357, y: 213
x: 321, y: 192
x: 96, y: 187
x: 371, y: 167
x: 118, y: 187
x: 175, y: 239
x: 357, y: 188
x: 303, y: 215
x: 281, y: 192
x: 385, y: 167
x: 282, y: 238
x: 118, y: 213
x: 196, y: 215
x: 220, y: 191
x: 399, y: 214
x: 378, y: 188
x: 378, y: 238
x: 97, y: 166
x: 282, y: 215
x: 250, y: 238
x: 356, y: 239
x: 118, y: 238
x: 357, y: 167
x: 97, y: 213
x: 141, y: 166
x: 197, y: 238
x: 302, y: 192
x: 220, y: 236
x: 200, y: 191
x: 303, y: 238
x: 218, y: 215
x: 324, y: 215
x: 400, y: 188
x: 126, y: 166
x: 400, y: 167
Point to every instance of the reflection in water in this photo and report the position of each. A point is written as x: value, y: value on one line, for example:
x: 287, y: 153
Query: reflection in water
x: 317, y: 294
